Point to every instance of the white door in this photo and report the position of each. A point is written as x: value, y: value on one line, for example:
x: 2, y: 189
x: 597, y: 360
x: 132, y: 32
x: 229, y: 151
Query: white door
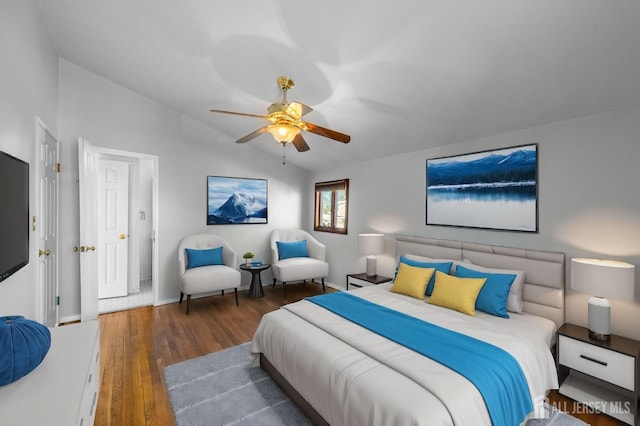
x: 88, y: 198
x: 113, y: 222
x: 46, y: 224
x: 88, y: 159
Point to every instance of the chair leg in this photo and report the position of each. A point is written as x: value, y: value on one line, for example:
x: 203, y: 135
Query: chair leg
x: 323, y: 290
x: 235, y: 290
x: 222, y: 292
x: 188, y: 301
x: 181, y: 296
x: 274, y: 282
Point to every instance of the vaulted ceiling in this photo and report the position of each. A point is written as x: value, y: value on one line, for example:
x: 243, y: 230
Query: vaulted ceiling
x: 397, y: 76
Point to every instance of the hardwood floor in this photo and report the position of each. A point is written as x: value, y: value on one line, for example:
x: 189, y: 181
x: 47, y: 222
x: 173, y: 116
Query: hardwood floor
x: 137, y: 344
x: 581, y: 411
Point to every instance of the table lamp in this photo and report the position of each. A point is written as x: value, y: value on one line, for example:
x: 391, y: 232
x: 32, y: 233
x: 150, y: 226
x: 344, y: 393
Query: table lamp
x: 601, y: 279
x: 370, y: 245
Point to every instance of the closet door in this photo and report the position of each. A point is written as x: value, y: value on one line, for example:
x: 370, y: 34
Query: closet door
x: 88, y: 198
x: 46, y: 223
x: 113, y: 223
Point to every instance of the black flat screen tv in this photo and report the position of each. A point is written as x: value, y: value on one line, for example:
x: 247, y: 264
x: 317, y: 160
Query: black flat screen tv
x: 14, y: 215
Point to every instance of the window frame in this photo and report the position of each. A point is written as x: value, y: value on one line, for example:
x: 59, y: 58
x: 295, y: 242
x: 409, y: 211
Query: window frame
x: 333, y: 186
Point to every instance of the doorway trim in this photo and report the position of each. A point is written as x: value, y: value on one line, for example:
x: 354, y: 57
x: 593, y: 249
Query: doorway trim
x: 134, y: 157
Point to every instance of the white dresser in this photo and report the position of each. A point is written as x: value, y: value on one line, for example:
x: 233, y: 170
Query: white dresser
x: 63, y: 389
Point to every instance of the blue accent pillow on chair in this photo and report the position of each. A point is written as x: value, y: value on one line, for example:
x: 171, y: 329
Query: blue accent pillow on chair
x: 494, y: 294
x: 289, y: 249
x: 196, y: 258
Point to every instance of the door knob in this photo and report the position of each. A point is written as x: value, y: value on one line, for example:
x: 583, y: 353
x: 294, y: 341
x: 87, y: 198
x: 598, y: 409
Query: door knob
x: 122, y: 236
x: 45, y: 252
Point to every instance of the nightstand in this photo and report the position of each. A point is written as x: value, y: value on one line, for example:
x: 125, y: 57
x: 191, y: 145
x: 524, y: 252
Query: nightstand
x: 363, y: 280
x: 602, y: 375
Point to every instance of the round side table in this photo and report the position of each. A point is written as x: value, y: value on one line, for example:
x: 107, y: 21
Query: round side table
x: 255, y: 290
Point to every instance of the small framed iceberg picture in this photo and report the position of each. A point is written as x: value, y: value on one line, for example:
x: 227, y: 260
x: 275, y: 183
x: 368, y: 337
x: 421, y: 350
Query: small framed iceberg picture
x: 495, y: 189
x: 233, y: 200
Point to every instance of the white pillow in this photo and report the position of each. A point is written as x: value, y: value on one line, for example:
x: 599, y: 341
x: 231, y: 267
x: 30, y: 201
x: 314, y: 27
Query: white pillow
x: 514, y: 301
x: 432, y: 260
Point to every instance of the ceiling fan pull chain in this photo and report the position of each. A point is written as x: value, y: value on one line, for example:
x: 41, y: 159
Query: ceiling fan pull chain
x: 283, y: 144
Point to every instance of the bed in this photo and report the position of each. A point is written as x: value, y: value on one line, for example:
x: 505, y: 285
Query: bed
x: 341, y: 373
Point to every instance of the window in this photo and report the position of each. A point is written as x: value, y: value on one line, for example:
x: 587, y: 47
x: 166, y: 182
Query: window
x: 331, y: 206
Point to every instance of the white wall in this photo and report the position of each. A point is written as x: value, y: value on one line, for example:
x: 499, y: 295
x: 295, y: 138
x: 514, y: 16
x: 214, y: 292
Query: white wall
x: 28, y: 89
x: 111, y: 116
x: 589, y: 202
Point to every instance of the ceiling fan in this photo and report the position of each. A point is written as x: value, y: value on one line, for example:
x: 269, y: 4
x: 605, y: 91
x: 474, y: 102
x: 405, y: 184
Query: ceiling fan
x: 285, y: 121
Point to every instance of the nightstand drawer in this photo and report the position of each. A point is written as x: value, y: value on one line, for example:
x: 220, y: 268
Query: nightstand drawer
x: 595, y: 361
x: 355, y: 282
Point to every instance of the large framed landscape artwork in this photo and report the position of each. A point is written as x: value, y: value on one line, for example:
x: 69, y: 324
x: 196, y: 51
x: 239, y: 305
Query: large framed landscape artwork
x: 495, y: 189
x: 233, y: 200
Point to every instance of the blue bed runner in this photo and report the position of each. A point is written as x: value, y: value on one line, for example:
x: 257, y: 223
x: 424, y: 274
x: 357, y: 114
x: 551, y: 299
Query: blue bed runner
x: 493, y: 371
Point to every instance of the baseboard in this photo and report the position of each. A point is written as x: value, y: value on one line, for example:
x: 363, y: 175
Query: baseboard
x: 335, y: 286
x: 69, y: 318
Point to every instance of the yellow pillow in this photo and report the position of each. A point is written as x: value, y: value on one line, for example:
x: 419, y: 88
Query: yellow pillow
x: 412, y: 280
x: 456, y: 293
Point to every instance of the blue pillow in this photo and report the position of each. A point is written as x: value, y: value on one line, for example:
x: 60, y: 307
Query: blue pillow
x: 288, y: 249
x: 494, y: 293
x: 23, y: 346
x: 444, y: 267
x: 196, y: 258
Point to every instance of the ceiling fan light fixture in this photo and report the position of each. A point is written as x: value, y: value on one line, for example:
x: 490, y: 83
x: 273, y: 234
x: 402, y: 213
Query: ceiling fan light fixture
x: 283, y: 133
x: 286, y: 123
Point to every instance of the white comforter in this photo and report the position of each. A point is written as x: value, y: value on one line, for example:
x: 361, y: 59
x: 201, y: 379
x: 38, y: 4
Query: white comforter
x: 352, y: 376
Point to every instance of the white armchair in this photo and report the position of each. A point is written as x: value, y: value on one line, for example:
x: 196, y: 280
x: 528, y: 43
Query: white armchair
x: 295, y: 268
x: 202, y: 272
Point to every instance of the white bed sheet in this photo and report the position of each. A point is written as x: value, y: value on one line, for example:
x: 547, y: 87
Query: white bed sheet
x: 532, y: 327
x: 352, y: 376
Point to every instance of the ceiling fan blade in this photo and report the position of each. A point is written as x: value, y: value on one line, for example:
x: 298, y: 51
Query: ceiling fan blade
x: 300, y: 143
x: 328, y: 133
x: 252, y: 135
x: 298, y: 109
x: 238, y: 113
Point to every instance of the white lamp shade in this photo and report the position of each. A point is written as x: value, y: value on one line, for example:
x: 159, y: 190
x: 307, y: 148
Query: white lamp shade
x: 371, y: 244
x: 603, y: 278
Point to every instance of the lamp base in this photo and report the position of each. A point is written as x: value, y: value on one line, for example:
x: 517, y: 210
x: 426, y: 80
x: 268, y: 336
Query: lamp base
x: 599, y: 318
x: 372, y: 269
x: 598, y: 336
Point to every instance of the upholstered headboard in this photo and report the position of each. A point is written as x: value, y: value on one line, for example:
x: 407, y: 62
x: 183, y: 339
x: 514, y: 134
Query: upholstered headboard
x: 543, y: 291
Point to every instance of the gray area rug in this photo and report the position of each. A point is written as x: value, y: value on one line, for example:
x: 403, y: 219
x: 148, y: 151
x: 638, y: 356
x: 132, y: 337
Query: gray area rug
x: 555, y: 417
x: 222, y: 389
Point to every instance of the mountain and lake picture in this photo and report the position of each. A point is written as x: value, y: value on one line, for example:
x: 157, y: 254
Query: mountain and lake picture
x: 491, y: 189
x: 232, y: 200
